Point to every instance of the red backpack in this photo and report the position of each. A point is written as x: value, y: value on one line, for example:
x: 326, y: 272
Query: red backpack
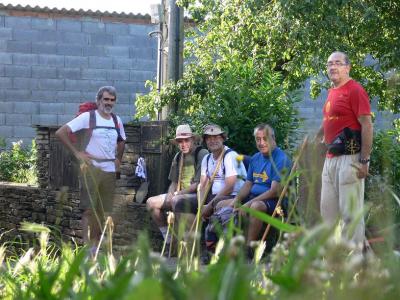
x: 82, y: 137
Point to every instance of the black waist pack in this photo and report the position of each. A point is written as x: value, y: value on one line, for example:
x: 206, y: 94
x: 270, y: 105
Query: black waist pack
x: 347, y: 142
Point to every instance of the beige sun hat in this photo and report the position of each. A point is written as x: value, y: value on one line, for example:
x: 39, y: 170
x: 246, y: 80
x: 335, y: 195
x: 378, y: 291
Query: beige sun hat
x: 183, y: 132
x: 213, y: 129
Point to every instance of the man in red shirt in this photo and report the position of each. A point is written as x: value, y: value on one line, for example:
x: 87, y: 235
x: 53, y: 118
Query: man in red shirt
x: 347, y: 131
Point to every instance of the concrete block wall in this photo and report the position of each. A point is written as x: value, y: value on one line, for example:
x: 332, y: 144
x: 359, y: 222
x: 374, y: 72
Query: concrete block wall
x: 49, y: 64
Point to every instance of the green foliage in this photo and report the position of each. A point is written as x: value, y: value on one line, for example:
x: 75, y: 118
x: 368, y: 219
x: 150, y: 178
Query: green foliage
x: 296, y: 37
x: 19, y: 164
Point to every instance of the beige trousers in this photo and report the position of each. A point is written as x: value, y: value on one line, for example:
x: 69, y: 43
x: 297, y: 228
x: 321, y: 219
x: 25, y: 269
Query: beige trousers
x: 342, y: 196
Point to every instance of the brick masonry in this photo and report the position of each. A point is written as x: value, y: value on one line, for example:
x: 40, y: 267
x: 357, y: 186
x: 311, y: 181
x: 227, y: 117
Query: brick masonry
x: 52, y: 61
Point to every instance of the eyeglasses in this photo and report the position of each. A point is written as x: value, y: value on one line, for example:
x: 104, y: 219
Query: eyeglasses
x: 335, y: 63
x: 109, y: 99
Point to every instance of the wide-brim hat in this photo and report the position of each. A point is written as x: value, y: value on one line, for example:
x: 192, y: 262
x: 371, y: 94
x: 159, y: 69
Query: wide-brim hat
x: 213, y: 129
x: 183, y: 132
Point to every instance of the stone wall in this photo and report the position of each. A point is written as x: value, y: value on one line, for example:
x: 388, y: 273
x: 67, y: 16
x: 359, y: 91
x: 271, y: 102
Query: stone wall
x: 52, y: 60
x: 59, y: 207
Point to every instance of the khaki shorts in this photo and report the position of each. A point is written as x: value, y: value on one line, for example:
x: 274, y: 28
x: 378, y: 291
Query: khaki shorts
x: 97, y: 190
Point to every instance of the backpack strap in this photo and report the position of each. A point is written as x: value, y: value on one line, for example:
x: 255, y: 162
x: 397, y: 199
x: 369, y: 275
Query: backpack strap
x: 114, y: 117
x: 88, y: 132
x: 223, y: 160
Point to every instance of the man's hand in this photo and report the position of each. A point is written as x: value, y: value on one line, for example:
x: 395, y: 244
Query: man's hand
x: 207, y: 210
x: 84, y: 160
x: 362, y: 171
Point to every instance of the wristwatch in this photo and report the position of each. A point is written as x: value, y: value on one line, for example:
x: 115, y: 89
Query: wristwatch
x: 364, y: 161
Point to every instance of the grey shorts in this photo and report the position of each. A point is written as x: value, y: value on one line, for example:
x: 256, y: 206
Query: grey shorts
x: 97, y: 190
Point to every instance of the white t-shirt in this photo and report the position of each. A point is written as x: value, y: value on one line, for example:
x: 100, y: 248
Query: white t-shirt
x: 232, y: 168
x: 103, y: 142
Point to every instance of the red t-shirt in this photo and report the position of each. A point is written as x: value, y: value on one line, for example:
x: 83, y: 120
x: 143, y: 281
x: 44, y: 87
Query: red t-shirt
x: 343, y: 107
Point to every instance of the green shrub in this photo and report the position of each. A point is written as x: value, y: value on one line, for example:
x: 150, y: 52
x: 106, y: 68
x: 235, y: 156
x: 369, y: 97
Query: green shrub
x: 18, y: 164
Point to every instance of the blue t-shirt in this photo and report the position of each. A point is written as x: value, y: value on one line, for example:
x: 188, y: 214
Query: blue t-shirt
x: 265, y: 169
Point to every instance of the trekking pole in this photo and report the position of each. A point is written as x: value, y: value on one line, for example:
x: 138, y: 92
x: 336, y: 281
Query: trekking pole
x: 285, y: 188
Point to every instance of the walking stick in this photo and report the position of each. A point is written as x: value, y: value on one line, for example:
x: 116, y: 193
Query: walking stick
x: 294, y: 167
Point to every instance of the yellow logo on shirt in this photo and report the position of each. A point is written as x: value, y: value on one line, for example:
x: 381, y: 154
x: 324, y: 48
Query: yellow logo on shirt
x: 264, y: 177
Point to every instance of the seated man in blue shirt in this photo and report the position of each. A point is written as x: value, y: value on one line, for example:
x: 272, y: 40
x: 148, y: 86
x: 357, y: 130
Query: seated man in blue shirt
x: 262, y: 187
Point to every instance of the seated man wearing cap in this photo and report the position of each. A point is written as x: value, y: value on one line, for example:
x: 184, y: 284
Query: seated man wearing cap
x: 220, y: 172
x: 184, y: 176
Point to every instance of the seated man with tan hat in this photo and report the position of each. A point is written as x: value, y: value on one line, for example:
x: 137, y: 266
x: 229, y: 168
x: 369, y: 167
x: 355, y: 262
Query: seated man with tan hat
x: 220, y: 175
x: 184, y: 176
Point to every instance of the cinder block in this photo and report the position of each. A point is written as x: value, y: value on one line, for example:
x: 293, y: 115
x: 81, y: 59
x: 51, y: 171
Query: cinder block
x: 17, y: 71
x: 25, y: 83
x: 63, y: 119
x: 3, y: 46
x: 44, y: 72
x: 69, y: 73
x: 124, y: 98
x: 49, y: 36
x: 25, y: 34
x: 18, y: 22
x: 124, y: 40
x: 24, y: 132
x: 6, y: 107
x: 94, y: 86
x: 51, y: 60
x: 101, y: 39
x: 25, y: 59
x: 2, y: 23
x: 122, y: 63
x: 93, y: 27
x: 18, y: 119
x: 117, y: 51
x: 19, y: 47
x: 69, y: 25
x: 142, y: 53
x: 18, y: 95
x: 96, y: 74
x: 76, y: 85
x: 2, y: 119
x: 5, y: 58
x: 144, y: 41
x: 51, y: 84
x: 44, y: 48
x: 75, y: 38
x: 68, y: 96
x: 124, y: 87
x: 94, y: 51
x: 6, y: 131
x: 5, y: 82
x: 46, y: 23
x: 117, y: 75
x: 145, y: 65
x: 117, y: 28
x: 71, y: 108
x: 44, y: 96
x: 76, y: 62
x: 44, y: 119
x: 96, y: 62
x: 91, y: 95
x: 2, y: 71
x: 136, y: 75
x: 67, y: 49
x: 136, y: 29
x: 51, y: 108
x: 123, y: 109
x: 5, y: 34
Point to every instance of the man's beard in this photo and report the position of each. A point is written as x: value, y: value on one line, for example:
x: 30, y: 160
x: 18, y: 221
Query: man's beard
x: 108, y: 109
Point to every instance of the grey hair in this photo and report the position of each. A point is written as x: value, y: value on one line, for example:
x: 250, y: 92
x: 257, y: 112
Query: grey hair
x: 269, y: 131
x: 109, y: 89
x: 345, y: 56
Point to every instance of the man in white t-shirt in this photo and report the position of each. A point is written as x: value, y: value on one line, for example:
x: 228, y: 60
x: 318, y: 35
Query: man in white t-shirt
x: 100, y: 157
x: 228, y: 178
